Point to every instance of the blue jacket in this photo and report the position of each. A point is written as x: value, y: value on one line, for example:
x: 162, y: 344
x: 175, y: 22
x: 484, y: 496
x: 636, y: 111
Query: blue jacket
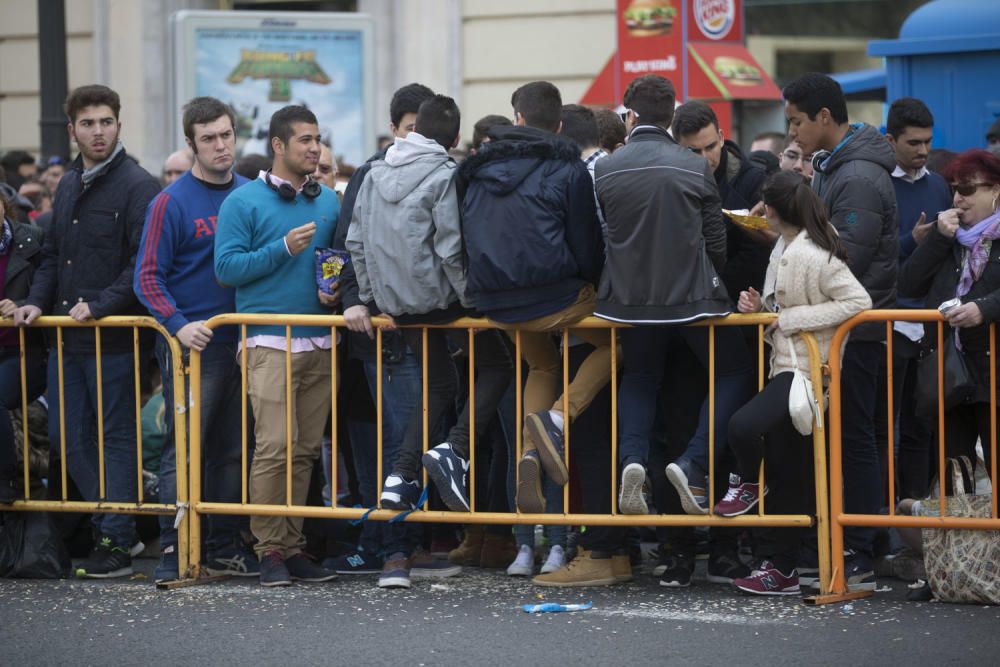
x: 89, y: 252
x: 529, y: 223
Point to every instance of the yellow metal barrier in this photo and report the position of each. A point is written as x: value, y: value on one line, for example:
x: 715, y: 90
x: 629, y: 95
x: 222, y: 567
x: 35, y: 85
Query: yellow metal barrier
x: 837, y: 589
x: 178, y: 401
x: 335, y: 323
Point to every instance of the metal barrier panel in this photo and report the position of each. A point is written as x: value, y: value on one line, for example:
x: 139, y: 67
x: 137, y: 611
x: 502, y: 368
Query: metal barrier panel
x: 179, y: 407
x: 335, y: 323
x: 837, y: 587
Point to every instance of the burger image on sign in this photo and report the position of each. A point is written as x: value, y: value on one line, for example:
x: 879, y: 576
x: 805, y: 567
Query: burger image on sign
x: 645, y: 18
x: 714, y: 17
x: 737, y: 71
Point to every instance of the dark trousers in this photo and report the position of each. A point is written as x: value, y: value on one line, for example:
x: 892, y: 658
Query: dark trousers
x: 862, y: 367
x: 494, y: 371
x: 647, y: 351
x: 963, y: 425
x: 10, y: 397
x: 762, y: 429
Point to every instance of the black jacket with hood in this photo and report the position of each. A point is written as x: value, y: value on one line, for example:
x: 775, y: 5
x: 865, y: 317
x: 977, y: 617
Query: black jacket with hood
x: 529, y: 222
x: 666, y: 236
x: 855, y: 183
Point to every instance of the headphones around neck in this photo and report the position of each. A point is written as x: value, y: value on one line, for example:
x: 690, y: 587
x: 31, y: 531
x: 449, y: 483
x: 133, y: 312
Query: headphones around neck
x: 311, y: 189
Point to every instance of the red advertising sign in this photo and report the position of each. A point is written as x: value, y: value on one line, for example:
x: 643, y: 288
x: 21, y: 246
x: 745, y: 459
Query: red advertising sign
x: 715, y: 20
x: 650, y: 40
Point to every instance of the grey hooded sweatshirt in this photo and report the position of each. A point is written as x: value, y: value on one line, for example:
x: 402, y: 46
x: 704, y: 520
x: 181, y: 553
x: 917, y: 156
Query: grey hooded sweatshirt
x: 405, y: 237
x: 855, y: 183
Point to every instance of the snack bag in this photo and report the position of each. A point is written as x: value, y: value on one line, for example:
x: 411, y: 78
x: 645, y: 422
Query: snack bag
x: 329, y: 264
x: 743, y: 218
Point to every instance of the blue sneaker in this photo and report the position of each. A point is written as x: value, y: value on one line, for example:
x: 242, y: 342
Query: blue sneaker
x: 233, y: 561
x: 166, y: 569
x: 396, y: 572
x: 549, y: 441
x: 424, y: 565
x: 399, y: 494
x: 447, y: 469
x: 691, y: 486
x: 358, y: 562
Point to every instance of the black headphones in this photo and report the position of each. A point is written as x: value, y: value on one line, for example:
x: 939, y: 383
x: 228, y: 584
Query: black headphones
x: 311, y: 189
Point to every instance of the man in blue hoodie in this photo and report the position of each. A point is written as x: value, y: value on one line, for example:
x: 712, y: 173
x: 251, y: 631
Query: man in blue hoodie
x: 852, y: 164
x: 175, y: 280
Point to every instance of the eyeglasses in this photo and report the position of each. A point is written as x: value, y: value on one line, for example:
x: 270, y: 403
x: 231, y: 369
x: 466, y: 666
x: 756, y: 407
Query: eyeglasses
x: 968, y: 189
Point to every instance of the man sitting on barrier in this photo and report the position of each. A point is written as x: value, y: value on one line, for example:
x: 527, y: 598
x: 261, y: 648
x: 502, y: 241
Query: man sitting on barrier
x: 809, y: 285
x: 264, y: 246
x: 86, y: 273
x: 406, y: 244
x: 175, y: 280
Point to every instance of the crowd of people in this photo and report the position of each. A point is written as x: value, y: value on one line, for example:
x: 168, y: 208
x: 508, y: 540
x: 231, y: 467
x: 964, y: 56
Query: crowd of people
x: 556, y: 214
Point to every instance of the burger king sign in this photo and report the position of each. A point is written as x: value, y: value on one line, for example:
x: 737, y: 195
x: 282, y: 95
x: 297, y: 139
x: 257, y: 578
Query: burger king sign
x: 715, y: 17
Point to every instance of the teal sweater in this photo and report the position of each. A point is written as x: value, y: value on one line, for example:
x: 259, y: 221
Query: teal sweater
x: 250, y: 253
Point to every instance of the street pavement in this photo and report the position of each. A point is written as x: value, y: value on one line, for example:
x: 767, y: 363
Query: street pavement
x: 473, y: 619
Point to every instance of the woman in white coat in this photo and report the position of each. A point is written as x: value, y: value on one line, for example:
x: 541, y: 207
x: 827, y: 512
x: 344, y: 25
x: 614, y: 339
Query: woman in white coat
x: 811, y: 288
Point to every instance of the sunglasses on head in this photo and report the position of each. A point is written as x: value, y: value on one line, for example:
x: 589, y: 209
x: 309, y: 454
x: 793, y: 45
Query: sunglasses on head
x: 968, y: 189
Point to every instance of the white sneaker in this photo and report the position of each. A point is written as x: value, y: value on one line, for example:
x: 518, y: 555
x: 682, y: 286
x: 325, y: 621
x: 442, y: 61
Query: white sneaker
x: 555, y: 561
x: 524, y: 564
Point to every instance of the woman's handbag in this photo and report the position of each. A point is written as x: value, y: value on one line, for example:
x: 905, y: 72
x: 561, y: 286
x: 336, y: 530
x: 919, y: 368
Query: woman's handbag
x: 962, y: 565
x: 802, y: 405
x: 958, y: 384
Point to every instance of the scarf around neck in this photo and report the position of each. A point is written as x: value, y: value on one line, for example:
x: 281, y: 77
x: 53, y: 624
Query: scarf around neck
x: 90, y: 174
x: 6, y: 236
x: 977, y: 241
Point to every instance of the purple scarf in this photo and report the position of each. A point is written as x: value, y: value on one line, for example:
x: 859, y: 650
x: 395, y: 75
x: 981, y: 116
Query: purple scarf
x: 977, y: 241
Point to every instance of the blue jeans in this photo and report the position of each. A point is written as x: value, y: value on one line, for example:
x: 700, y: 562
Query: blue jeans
x: 10, y: 396
x: 120, y: 460
x: 221, y: 438
x: 646, y: 351
x: 401, y: 387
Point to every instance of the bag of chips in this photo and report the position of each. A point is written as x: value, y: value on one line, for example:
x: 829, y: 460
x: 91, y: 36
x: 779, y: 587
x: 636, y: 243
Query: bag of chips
x: 329, y: 265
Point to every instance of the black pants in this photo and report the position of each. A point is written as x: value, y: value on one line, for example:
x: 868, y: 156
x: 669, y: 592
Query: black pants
x: 763, y: 429
x: 494, y: 371
x: 962, y: 426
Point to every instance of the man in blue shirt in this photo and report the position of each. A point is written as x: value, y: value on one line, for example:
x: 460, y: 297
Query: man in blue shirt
x: 264, y: 246
x: 175, y: 280
x: 920, y: 195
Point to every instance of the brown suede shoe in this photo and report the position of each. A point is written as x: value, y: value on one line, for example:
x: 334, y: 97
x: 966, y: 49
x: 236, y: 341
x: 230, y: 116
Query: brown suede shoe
x: 622, y: 568
x: 468, y: 552
x: 582, y: 571
x: 498, y: 551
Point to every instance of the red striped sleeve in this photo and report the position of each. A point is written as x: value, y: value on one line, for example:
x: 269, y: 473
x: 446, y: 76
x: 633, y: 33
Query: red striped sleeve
x: 149, y: 287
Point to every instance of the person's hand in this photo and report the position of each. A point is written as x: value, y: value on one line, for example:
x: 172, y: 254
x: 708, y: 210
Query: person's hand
x: 195, y: 335
x: 964, y: 316
x: 25, y: 315
x: 358, y: 320
x: 80, y: 312
x: 388, y: 326
x: 922, y: 228
x: 330, y: 300
x: 299, y: 238
x: 749, y: 301
x: 758, y: 209
x: 7, y: 308
x: 947, y: 222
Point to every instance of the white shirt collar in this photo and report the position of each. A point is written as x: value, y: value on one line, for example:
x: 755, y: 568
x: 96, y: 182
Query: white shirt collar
x: 899, y: 173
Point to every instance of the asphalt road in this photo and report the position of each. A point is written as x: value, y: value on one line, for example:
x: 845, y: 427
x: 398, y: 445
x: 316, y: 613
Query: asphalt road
x: 475, y: 618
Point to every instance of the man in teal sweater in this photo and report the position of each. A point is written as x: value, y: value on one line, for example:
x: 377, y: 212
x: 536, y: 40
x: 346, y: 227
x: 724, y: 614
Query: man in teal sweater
x: 264, y: 247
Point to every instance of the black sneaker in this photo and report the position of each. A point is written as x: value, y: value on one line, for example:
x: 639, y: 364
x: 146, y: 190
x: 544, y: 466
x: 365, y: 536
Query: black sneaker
x: 723, y: 569
x: 273, y: 571
x: 549, y: 441
x: 303, y: 568
x: 530, y: 498
x: 677, y: 573
x: 399, y: 494
x: 234, y: 561
x: 448, y: 469
x: 106, y: 561
x: 357, y: 562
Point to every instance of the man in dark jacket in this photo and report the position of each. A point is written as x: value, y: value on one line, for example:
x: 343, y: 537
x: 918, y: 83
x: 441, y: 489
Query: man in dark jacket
x: 86, y: 273
x: 695, y: 126
x: 666, y: 247
x: 852, y: 164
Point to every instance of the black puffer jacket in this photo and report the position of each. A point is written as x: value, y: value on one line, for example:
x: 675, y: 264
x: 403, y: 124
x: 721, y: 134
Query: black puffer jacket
x: 666, y: 237
x: 25, y: 256
x: 855, y: 183
x: 739, y: 182
x: 529, y: 221
x: 89, y: 253
x: 932, y: 273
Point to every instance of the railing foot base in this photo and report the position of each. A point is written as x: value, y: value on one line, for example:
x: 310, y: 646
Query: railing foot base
x: 190, y: 581
x: 832, y: 598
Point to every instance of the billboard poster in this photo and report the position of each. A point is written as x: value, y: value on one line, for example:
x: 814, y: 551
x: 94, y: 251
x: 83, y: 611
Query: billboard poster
x: 650, y: 40
x: 260, y: 65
